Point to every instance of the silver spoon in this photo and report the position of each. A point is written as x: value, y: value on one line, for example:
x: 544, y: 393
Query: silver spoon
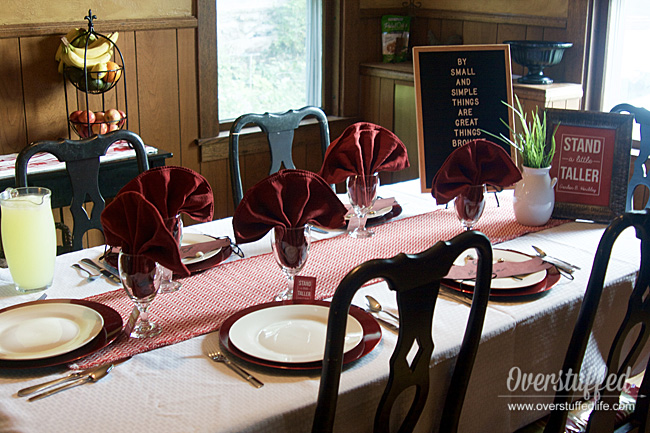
x: 375, y: 307
x: 91, y: 276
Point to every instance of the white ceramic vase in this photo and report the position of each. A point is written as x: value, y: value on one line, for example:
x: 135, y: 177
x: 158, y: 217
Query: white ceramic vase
x: 534, y: 197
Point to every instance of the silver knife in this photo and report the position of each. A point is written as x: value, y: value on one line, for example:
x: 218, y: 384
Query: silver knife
x: 72, y: 376
x: 105, y: 272
x: 560, y: 267
x: 93, y: 375
x: 554, y: 260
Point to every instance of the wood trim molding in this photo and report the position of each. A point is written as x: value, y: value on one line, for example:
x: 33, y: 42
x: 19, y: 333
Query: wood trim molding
x: 529, y: 20
x: 216, y: 148
x: 46, y: 29
x: 207, y: 68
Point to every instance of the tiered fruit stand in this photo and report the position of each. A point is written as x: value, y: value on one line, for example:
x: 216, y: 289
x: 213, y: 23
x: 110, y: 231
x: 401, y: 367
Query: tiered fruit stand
x: 93, y: 64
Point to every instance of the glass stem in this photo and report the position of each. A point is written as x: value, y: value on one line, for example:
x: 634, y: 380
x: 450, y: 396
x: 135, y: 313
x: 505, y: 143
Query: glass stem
x: 362, y: 222
x: 144, y: 313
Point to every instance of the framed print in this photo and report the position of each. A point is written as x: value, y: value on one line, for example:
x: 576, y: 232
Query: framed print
x: 591, y: 163
x: 460, y: 92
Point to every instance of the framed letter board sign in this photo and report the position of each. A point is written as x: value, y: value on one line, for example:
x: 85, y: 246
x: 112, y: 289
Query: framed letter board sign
x: 591, y: 163
x: 460, y: 90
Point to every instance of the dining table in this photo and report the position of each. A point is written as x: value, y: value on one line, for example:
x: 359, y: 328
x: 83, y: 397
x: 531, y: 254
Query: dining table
x: 170, y: 385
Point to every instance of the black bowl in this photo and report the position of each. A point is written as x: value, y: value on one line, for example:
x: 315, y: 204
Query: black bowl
x: 536, y: 55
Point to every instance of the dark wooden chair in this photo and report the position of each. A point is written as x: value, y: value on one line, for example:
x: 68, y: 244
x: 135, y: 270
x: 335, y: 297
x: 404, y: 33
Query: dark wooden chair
x: 82, y: 164
x: 638, y: 313
x: 640, y: 177
x: 416, y: 280
x: 279, y: 129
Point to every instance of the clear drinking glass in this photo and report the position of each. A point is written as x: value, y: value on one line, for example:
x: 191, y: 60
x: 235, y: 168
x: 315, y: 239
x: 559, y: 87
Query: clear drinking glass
x: 141, y: 278
x: 469, y: 205
x: 28, y: 237
x: 168, y: 284
x: 290, y: 249
x: 362, y: 191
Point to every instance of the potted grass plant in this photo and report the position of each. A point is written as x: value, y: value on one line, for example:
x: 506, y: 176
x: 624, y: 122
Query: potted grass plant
x: 534, y: 196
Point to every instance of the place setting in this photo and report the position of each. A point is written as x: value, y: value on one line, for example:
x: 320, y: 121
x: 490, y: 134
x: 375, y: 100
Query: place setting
x: 288, y: 333
x: 68, y: 330
x: 174, y: 191
x: 515, y: 274
x: 462, y: 180
x: 356, y: 158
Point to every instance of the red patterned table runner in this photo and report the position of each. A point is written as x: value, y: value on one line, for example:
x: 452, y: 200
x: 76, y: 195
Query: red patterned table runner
x: 208, y: 298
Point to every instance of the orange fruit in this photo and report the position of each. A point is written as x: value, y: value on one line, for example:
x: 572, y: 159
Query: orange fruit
x: 114, y: 72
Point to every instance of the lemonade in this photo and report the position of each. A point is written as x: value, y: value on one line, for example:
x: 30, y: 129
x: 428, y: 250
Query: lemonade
x: 28, y: 237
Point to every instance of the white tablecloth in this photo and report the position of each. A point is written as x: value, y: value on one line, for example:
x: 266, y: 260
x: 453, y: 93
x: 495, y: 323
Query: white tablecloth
x: 178, y: 389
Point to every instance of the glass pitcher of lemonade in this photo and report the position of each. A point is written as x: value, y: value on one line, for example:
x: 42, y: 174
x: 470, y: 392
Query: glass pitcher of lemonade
x: 28, y: 237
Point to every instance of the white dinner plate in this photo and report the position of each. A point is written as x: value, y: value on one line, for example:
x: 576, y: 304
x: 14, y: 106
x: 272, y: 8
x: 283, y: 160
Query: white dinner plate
x: 289, y: 333
x: 376, y: 214
x: 508, y: 282
x: 196, y: 238
x: 44, y: 330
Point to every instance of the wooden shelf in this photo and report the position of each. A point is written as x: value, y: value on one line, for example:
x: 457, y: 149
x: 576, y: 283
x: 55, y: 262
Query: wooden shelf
x: 387, y: 98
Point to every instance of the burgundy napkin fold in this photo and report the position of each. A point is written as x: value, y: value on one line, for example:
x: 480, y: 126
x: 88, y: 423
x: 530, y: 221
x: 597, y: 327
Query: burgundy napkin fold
x: 133, y: 223
x: 288, y: 198
x: 475, y: 163
x: 363, y: 149
x: 174, y: 190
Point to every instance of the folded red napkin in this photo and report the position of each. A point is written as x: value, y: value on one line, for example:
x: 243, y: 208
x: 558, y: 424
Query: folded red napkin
x: 174, y: 190
x: 475, y: 163
x: 363, y: 149
x: 288, y: 198
x: 133, y: 223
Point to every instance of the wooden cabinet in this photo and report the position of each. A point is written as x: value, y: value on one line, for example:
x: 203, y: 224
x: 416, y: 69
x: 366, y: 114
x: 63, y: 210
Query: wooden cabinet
x: 387, y: 98
x: 566, y: 96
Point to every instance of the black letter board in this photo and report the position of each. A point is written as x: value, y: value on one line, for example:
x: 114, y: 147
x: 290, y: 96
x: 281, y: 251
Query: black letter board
x: 459, y: 90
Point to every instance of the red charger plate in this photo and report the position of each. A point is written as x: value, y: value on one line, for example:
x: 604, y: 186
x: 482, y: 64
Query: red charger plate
x: 544, y: 285
x: 371, y: 337
x: 109, y: 332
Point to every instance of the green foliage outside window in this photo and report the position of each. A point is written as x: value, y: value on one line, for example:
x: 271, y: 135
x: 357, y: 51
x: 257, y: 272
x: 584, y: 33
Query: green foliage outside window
x: 262, y: 58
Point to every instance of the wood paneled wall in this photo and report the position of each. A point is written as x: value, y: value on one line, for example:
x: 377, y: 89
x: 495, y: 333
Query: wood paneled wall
x: 361, y: 37
x: 171, y: 74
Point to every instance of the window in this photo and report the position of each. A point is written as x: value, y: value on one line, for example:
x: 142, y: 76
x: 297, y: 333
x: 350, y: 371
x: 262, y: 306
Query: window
x: 269, y: 55
x: 627, y: 65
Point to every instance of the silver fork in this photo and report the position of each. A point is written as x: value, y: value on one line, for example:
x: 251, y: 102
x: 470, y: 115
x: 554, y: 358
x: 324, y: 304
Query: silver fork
x: 217, y: 356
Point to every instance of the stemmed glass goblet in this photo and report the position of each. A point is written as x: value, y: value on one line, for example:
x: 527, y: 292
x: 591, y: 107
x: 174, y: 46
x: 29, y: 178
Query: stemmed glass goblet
x: 290, y: 248
x: 469, y: 205
x: 168, y: 284
x: 141, y: 278
x: 362, y: 192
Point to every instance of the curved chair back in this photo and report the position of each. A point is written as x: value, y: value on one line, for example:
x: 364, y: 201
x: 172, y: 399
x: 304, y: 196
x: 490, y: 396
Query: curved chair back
x: 640, y: 175
x: 279, y: 129
x: 81, y: 158
x: 416, y: 281
x: 638, y: 313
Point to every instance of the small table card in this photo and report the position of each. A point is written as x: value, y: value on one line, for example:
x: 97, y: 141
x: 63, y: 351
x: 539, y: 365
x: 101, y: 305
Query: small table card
x: 304, y: 288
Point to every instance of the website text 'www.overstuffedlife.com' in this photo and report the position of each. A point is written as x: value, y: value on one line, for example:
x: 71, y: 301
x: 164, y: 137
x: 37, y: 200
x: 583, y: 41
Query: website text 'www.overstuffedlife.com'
x: 536, y: 385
